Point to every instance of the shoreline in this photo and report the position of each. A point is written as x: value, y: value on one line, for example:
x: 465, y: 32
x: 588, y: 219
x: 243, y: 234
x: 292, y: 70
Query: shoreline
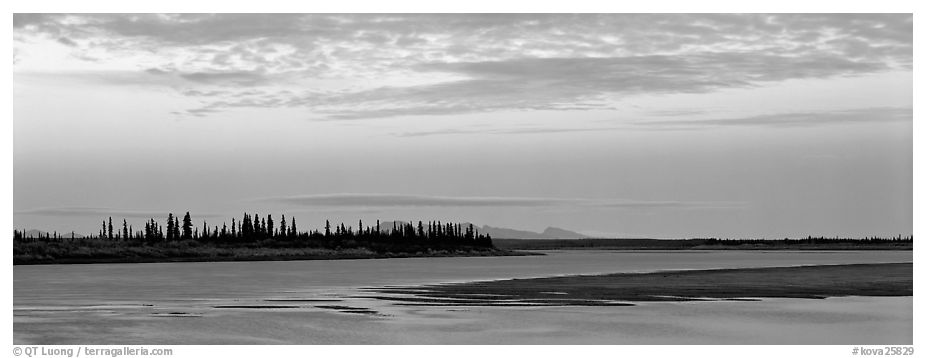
x: 361, y: 254
x: 623, y: 289
x: 697, y: 245
x: 332, y: 255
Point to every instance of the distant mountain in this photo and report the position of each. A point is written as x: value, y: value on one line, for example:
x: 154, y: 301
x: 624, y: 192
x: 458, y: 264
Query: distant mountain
x: 555, y: 232
x: 548, y: 233
x: 500, y: 232
x: 504, y: 233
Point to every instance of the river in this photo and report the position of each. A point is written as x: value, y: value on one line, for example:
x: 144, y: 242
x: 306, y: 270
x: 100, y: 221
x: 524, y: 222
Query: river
x: 320, y: 302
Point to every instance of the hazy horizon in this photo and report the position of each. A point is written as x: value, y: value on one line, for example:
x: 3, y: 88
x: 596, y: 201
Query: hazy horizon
x: 616, y: 125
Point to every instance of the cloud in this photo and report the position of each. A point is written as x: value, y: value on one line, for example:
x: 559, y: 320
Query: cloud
x: 378, y: 200
x: 246, y: 78
x: 782, y: 120
x: 66, y: 41
x: 676, y: 112
x: 491, y: 32
x: 633, y: 204
x: 530, y: 130
x: 156, y: 77
x: 104, y: 212
x: 549, y: 83
x: 198, y: 112
x: 399, y: 200
x: 482, y: 62
x: 107, y: 78
x: 697, y: 72
x: 567, y: 83
x: 798, y: 119
x: 219, y: 78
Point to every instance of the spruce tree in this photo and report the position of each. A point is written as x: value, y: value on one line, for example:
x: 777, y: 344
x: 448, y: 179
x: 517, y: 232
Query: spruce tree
x: 269, y: 226
x: 187, y: 227
x: 171, y: 229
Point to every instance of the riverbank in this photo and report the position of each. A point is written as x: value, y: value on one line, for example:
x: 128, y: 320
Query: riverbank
x: 815, y: 282
x: 703, y: 244
x: 151, y: 254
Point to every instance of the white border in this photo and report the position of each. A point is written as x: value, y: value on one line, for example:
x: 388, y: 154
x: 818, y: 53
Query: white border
x: 480, y: 6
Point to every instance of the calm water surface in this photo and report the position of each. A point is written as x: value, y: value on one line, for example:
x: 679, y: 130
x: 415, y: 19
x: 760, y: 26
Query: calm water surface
x: 176, y: 303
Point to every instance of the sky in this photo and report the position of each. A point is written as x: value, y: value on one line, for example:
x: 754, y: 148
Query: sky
x: 613, y: 125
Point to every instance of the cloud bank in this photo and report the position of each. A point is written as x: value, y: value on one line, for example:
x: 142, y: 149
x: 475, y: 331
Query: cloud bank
x: 797, y: 119
x: 395, y: 65
x: 105, y: 212
x: 375, y: 200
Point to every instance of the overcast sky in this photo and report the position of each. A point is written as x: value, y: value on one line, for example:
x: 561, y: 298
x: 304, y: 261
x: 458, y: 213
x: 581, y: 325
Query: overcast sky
x: 612, y: 125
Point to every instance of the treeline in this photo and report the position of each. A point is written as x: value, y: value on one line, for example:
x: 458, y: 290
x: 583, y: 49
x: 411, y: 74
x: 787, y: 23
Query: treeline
x: 256, y: 229
x: 810, y: 242
x: 813, y: 240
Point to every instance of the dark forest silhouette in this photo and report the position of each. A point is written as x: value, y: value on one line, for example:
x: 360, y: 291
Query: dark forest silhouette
x: 181, y: 238
x: 253, y: 228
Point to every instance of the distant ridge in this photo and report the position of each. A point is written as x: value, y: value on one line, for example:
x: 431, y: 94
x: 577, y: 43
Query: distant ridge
x: 548, y: 233
x: 507, y: 233
x: 558, y: 233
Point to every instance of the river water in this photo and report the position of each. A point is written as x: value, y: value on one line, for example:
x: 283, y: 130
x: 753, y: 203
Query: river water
x: 321, y: 302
